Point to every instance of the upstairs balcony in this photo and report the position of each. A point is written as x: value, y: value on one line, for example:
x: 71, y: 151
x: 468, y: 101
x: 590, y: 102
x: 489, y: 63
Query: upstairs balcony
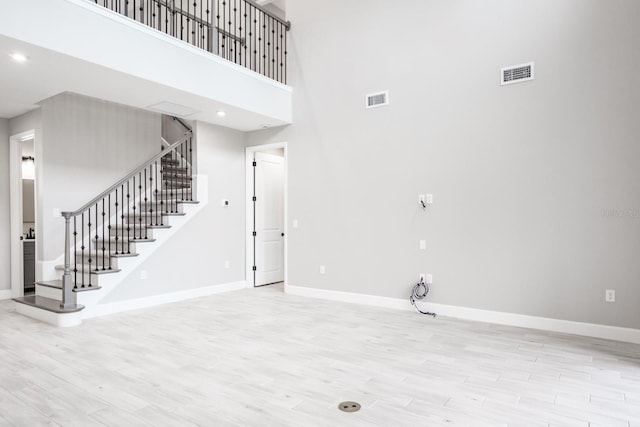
x: 240, y: 31
x: 187, y: 58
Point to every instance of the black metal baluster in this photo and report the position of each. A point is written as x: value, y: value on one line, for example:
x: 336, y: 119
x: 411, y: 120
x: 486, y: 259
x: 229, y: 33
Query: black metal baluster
x: 281, y: 32
x: 265, y: 36
x: 82, y: 249
x: 181, y: 22
x: 109, y: 230
x: 135, y: 218
x: 270, y: 46
x: 200, y: 26
x: 103, y: 225
x: 285, y: 60
x: 128, y: 218
x: 75, y: 253
x: 246, y: 32
x: 122, y: 215
x: 166, y: 20
x: 146, y: 207
x: 116, y: 237
x: 174, y: 182
x: 153, y: 191
x: 191, y: 165
x: 224, y: 28
x: 252, y: 36
x: 235, y: 26
x: 182, y: 159
x: 89, y: 245
x: 96, y: 244
x: 194, y: 25
x: 210, y: 28
x: 148, y: 199
x: 158, y: 195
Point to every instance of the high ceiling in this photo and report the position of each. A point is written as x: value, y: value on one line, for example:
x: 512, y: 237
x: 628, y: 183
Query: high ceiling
x: 47, y: 73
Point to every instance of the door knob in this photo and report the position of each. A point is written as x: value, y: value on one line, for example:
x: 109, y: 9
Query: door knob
x: 282, y: 234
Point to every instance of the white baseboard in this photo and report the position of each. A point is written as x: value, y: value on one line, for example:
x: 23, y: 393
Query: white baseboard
x: 5, y: 294
x: 117, y: 307
x: 501, y: 318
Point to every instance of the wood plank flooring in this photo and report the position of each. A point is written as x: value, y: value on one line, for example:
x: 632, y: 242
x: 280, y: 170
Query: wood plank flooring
x: 259, y: 357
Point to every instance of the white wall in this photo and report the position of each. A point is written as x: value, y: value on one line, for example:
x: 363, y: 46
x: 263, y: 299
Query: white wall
x: 195, y: 256
x: 87, y: 145
x: 5, y: 220
x: 521, y: 174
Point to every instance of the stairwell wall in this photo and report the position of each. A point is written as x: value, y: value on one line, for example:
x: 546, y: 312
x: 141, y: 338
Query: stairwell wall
x: 195, y: 256
x: 5, y: 220
x: 87, y: 145
x: 536, y: 185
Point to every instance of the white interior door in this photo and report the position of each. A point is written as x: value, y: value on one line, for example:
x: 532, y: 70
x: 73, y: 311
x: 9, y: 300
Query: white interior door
x: 269, y: 219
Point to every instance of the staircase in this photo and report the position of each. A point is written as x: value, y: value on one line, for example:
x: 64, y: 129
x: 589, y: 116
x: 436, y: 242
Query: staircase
x: 113, y: 225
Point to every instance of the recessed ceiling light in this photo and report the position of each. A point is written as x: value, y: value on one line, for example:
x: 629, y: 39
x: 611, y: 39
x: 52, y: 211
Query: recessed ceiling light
x: 221, y: 113
x: 18, y: 57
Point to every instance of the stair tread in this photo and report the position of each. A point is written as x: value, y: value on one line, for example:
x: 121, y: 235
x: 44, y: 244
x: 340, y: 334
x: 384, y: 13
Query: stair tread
x: 55, y: 284
x: 91, y: 267
x: 130, y: 227
x: 87, y: 288
x: 122, y: 240
x: 150, y: 214
x: 106, y: 254
x: 48, y: 304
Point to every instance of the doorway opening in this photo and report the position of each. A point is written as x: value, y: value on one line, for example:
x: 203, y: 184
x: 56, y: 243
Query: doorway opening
x: 266, y: 214
x: 22, y: 172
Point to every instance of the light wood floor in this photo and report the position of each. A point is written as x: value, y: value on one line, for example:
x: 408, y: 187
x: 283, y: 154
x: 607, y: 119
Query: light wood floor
x: 258, y: 357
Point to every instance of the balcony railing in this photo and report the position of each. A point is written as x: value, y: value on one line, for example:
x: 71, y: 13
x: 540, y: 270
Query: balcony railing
x: 238, y: 30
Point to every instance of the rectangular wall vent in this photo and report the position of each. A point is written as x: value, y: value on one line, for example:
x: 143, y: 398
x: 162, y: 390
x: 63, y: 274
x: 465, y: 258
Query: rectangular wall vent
x: 377, y: 99
x: 516, y: 74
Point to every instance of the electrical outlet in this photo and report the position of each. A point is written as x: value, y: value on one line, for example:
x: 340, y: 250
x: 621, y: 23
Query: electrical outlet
x: 421, y: 278
x: 143, y: 275
x: 429, y: 199
x: 429, y: 279
x: 322, y: 269
x: 422, y: 198
x: 423, y: 245
x: 295, y: 223
x: 610, y: 295
x: 227, y: 264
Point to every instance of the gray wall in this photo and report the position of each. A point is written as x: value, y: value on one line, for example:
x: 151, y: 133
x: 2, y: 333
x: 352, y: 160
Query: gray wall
x: 194, y: 257
x: 87, y: 145
x: 5, y: 220
x: 521, y: 175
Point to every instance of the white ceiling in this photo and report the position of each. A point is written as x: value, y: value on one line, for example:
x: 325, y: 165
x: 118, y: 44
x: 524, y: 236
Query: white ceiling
x: 48, y: 73
x: 280, y: 4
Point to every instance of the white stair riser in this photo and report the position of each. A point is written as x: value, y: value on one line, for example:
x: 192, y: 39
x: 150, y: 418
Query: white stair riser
x: 122, y: 233
x: 99, y: 260
x: 47, y: 292
x: 120, y: 246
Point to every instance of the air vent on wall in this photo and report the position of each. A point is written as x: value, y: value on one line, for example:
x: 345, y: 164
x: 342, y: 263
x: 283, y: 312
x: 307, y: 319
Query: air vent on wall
x: 516, y: 74
x: 377, y: 99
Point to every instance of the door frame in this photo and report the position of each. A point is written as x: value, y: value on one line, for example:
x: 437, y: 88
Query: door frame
x: 15, y: 208
x: 249, y: 243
